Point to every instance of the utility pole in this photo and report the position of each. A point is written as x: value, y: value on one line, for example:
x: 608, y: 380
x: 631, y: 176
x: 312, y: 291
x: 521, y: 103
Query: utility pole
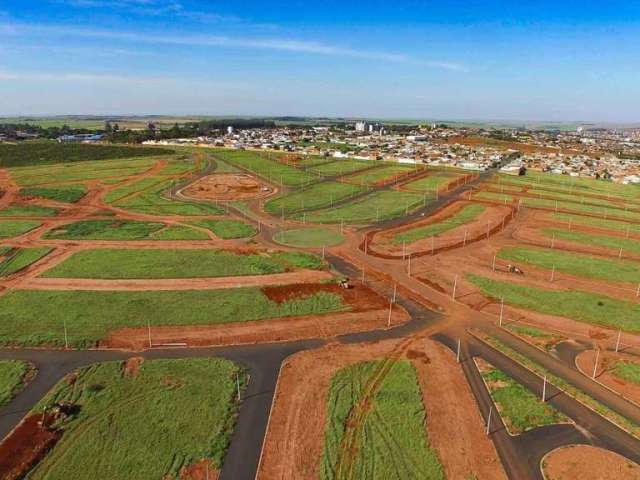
x: 458, y: 352
x: 489, y: 419
x: 149, y: 331
x: 238, y: 384
x: 464, y: 242
x: 493, y: 265
x: 390, y: 309
x: 455, y: 285
x: 553, y: 273
x: 544, y: 389
x: 395, y: 291
x: 323, y: 252
x: 501, y: 310
x: 618, y: 341
x: 595, y: 365
x: 66, y: 337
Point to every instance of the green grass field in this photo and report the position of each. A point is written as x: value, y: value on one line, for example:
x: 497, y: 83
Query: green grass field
x: 434, y: 181
x: 16, y: 210
x: 391, y: 442
x: 316, y: 196
x: 227, y: 229
x: 342, y: 167
x: 70, y: 194
x: 14, y: 228
x: 384, y: 173
x: 377, y: 206
x: 123, y: 230
x: 520, y: 409
x: 576, y: 206
x: 614, y: 225
x: 468, y: 214
x: 570, y: 197
x: 492, y: 196
x: 308, y: 237
x: 12, y: 377
x: 587, y: 266
x: 147, y: 425
x: 265, y: 167
x: 20, y: 258
x: 629, y: 371
x: 37, y: 317
x: 160, y: 263
x: 45, y: 152
x: 615, y: 243
x: 586, y: 307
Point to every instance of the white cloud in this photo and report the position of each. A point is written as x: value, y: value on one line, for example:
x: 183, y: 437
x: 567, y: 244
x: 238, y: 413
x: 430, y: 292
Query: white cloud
x: 276, y: 44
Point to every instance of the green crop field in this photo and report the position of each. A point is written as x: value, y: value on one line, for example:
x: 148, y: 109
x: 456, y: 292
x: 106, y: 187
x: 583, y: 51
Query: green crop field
x: 342, y: 167
x: 435, y: 180
x: 520, y: 409
x: 160, y: 263
x: 615, y: 243
x: 20, y: 258
x: 266, y: 168
x: 587, y: 266
x: 16, y: 210
x: 63, y: 194
x: 38, y: 317
x: 123, y: 230
x: 586, y: 307
x: 13, y: 228
x: 316, y: 196
x: 614, y: 225
x: 149, y: 424
x: 308, y: 237
x: 468, y: 214
x: 45, y: 153
x: 227, y: 229
x: 12, y: 378
x: 384, y: 173
x: 629, y: 371
x: 391, y: 441
x: 377, y: 206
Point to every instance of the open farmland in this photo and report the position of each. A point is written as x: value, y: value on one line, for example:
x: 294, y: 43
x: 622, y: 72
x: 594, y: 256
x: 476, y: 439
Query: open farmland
x: 139, y: 414
x: 377, y: 433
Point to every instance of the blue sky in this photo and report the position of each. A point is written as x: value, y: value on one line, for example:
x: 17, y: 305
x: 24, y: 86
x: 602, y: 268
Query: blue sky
x: 521, y: 60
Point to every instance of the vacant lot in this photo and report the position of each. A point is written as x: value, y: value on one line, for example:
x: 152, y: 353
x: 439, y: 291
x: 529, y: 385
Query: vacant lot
x: 227, y: 229
x: 13, y: 374
x: 576, y: 206
x: 152, y: 422
x: 466, y: 215
x: 583, y: 306
x: 13, y: 228
x: 16, y: 259
x: 385, y: 173
x: 308, y: 237
x: 63, y: 194
x: 374, y: 207
x: 384, y: 426
x: 316, y: 196
x: 613, y: 225
x: 17, y: 210
x: 342, y: 167
x: 123, y: 230
x: 266, y: 168
x: 629, y: 371
x: 434, y: 181
x: 149, y: 264
x: 587, y: 266
x: 31, y: 317
x: 615, y: 243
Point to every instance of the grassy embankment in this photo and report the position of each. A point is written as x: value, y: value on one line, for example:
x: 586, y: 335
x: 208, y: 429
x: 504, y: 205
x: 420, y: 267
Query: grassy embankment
x: 13, y: 375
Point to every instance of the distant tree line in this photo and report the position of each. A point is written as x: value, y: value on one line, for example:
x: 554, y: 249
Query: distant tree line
x: 14, y: 130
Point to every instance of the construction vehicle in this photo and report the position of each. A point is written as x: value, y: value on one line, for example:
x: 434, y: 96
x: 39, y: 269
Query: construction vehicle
x: 514, y: 269
x: 344, y: 283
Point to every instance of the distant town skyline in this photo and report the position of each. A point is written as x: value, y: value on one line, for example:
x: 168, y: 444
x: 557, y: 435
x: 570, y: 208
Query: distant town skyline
x: 467, y: 60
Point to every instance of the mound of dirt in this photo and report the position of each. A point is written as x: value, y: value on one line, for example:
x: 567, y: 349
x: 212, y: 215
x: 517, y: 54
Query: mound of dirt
x: 227, y: 186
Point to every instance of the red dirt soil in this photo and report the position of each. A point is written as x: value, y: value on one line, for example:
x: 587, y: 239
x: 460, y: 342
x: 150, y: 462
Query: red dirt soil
x: 25, y: 446
x: 588, y: 463
x: 227, y: 186
x: 295, y: 436
x: 202, y: 470
x: 605, y: 372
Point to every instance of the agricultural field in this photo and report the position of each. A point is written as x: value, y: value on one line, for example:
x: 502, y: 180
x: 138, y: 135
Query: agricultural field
x: 160, y: 263
x: 132, y: 419
x: 314, y: 197
x: 13, y: 260
x: 13, y: 376
x: 464, y: 216
x: 379, y: 433
x: 39, y: 317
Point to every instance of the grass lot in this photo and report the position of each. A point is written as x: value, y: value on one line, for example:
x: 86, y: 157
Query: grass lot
x: 308, y: 237
x: 45, y: 152
x: 108, y: 171
x: 125, y: 264
x: 342, y: 167
x: 616, y: 243
x: 629, y: 371
x: 586, y: 307
x: 227, y: 229
x: 434, y: 181
x: 20, y: 258
x: 602, y: 212
x: 520, y: 409
x: 13, y: 228
x: 16, y: 210
x: 574, y: 198
x: 384, y: 173
x: 123, y: 230
x: 32, y: 317
x: 466, y: 215
x: 495, y: 197
x: 12, y: 376
x: 377, y: 206
x: 264, y: 167
x: 574, y: 263
x: 316, y: 196
x: 597, y: 222
x: 392, y: 441
x: 150, y: 425
x: 63, y: 194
